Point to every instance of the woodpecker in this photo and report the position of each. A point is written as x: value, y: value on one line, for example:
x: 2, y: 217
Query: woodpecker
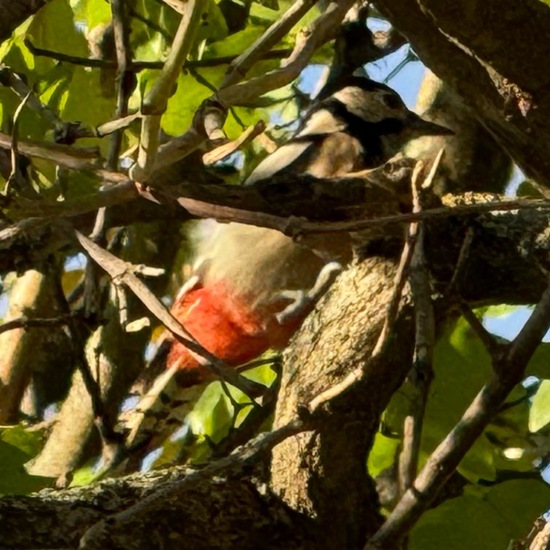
x: 253, y: 287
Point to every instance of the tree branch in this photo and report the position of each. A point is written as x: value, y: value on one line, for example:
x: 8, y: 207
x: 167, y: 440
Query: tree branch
x: 509, y: 370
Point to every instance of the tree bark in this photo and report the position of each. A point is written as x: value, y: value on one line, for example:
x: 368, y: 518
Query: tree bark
x: 316, y: 483
x: 481, y: 50
x: 12, y: 14
x: 322, y: 473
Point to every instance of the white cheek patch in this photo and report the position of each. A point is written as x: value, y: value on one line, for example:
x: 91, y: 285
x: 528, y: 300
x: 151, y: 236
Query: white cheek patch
x: 362, y: 103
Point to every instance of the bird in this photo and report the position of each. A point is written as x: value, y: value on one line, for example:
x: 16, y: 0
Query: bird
x: 253, y: 287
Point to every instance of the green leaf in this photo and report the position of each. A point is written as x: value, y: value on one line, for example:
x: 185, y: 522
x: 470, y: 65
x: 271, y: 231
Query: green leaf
x: 91, y: 12
x: 461, y: 366
x: 540, y: 407
x: 211, y: 415
x: 382, y: 454
x: 463, y: 523
x: 233, y: 45
x: 86, y: 474
x: 212, y: 26
x: 53, y: 28
x: 25, y: 440
x: 95, y: 109
x: 187, y: 98
x: 539, y: 365
x: 519, y: 502
x: 14, y: 479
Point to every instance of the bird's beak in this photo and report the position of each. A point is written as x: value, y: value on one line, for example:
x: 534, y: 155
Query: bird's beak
x: 422, y: 127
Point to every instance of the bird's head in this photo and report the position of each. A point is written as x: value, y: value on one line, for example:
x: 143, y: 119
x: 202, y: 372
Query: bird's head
x: 377, y: 115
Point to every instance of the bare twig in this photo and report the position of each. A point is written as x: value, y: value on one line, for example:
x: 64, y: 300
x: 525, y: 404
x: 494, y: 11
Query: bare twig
x: 541, y: 540
x: 78, y: 158
x: 492, y: 345
x: 177, y: 5
x: 223, y: 151
x: 26, y: 322
x: 21, y: 89
x: 463, y: 255
x: 242, y: 64
x: 137, y: 66
x: 322, y: 30
x: 508, y: 371
x: 124, y: 76
x: 124, y: 90
x: 233, y: 93
x: 15, y: 176
x: 156, y: 100
x: 123, y: 273
x: 422, y: 373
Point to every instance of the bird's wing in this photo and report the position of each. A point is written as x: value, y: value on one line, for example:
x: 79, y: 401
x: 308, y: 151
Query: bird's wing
x: 320, y: 122
x: 279, y: 160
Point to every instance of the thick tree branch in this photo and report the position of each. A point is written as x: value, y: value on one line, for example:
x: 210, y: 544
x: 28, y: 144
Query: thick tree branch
x: 12, y: 14
x: 484, y: 57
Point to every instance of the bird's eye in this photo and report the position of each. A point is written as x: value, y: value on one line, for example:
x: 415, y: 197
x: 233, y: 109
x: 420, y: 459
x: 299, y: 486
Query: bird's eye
x: 391, y: 101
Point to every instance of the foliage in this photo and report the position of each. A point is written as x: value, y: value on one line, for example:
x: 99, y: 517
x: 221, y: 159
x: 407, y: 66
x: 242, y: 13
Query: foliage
x: 503, y: 488
x: 18, y: 446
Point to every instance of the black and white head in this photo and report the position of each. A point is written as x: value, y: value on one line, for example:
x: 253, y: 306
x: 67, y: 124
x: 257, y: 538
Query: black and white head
x: 377, y: 116
x: 354, y: 124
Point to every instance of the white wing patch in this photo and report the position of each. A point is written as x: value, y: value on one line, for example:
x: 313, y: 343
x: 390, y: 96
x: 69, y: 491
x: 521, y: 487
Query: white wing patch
x: 279, y: 160
x: 321, y: 122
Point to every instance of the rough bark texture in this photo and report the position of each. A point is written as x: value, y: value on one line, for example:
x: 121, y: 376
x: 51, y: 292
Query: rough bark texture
x: 331, y: 485
x: 485, y: 52
x: 12, y: 14
x: 219, y: 514
x: 481, y: 50
x: 322, y: 473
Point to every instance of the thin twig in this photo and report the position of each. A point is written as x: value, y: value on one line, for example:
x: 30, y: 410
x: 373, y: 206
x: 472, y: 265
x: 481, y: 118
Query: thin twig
x: 124, y: 76
x: 233, y: 93
x: 154, y: 103
x: 124, y: 91
x: 421, y: 374
x: 462, y: 257
x: 322, y: 30
x: 123, y: 273
x: 509, y: 369
x: 14, y: 176
x: 137, y: 66
x: 37, y: 322
x: 78, y: 158
x: 279, y: 29
x: 223, y: 151
x: 22, y: 90
x: 492, y: 345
